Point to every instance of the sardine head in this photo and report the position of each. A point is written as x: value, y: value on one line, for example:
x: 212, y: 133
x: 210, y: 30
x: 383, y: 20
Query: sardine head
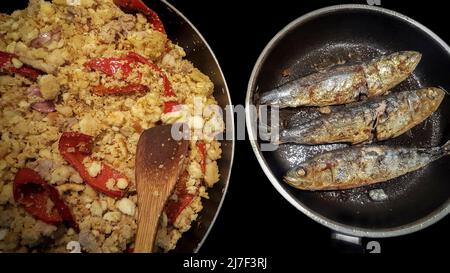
x: 300, y: 177
x: 409, y: 60
x: 436, y: 94
x: 311, y: 175
x: 428, y: 100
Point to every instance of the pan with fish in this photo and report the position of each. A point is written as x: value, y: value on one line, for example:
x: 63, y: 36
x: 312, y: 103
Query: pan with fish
x: 364, y: 120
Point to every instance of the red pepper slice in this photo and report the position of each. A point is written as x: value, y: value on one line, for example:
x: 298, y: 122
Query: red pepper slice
x: 201, y: 146
x: 169, y: 106
x: 139, y: 6
x: 120, y: 90
x: 175, y: 207
x: 36, y: 196
x: 6, y: 66
x: 111, y: 66
x: 75, y: 147
x: 168, y: 90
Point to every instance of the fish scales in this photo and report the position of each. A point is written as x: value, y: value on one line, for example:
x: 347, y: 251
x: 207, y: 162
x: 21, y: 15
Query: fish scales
x: 360, y: 166
x: 345, y: 84
x: 378, y: 118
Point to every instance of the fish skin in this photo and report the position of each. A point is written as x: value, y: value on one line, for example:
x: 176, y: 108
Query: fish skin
x: 386, y: 72
x: 345, y: 84
x: 337, y: 86
x: 375, y: 119
x: 360, y: 166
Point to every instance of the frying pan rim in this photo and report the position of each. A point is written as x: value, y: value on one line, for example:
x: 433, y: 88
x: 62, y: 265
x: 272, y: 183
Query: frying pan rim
x: 417, y: 225
x: 230, y: 117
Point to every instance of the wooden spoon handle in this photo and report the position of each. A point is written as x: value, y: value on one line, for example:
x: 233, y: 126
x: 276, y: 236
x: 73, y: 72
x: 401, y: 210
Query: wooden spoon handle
x: 159, y: 161
x: 150, y: 210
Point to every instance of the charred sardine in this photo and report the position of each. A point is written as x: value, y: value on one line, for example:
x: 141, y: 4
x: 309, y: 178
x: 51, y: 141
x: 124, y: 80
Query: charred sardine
x: 378, y: 118
x: 359, y: 166
x: 345, y: 84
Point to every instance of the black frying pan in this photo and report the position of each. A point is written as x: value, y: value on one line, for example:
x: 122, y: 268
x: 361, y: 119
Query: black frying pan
x: 356, y: 33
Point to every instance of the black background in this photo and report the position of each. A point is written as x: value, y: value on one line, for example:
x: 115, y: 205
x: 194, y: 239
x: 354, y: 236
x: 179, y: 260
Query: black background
x: 255, y: 219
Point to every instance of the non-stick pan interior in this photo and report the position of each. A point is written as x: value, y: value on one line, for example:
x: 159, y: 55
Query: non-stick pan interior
x: 352, y: 35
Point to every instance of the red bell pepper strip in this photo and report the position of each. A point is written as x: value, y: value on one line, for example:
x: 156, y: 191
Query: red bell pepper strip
x: 6, y: 66
x: 168, y: 90
x: 175, y: 207
x: 101, y: 90
x: 111, y: 66
x: 34, y: 194
x: 74, y: 148
x: 201, y: 146
x: 169, y: 106
x: 139, y: 6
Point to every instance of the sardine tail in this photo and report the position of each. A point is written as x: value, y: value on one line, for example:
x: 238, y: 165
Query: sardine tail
x: 280, y: 96
x: 267, y: 97
x: 446, y: 148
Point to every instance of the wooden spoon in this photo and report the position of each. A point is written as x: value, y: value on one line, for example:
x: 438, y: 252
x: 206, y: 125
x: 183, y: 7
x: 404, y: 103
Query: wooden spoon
x: 159, y: 162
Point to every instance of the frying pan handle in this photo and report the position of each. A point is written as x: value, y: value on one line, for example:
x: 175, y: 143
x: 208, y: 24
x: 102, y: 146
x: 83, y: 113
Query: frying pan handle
x: 346, y: 243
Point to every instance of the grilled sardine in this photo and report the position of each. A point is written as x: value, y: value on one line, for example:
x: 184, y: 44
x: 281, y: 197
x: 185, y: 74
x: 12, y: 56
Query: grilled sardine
x: 345, y: 84
x: 374, y: 119
x: 359, y: 166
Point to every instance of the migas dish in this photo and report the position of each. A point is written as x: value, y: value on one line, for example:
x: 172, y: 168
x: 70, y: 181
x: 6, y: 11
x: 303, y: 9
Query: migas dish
x: 110, y: 194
